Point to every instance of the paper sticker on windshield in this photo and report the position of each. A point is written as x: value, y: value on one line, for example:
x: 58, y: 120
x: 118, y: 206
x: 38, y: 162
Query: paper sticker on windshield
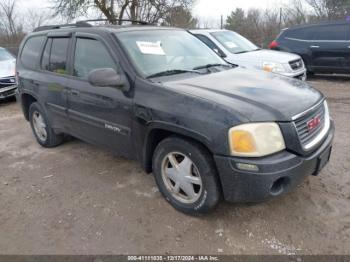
x: 230, y: 44
x: 150, y: 48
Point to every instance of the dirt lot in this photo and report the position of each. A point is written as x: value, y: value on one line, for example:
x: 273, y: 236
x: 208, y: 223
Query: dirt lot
x: 80, y: 199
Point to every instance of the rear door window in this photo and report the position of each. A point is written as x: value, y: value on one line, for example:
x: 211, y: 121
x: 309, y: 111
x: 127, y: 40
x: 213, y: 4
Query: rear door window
x: 90, y: 54
x: 332, y: 32
x: 32, y: 51
x: 45, y: 62
x: 58, y: 55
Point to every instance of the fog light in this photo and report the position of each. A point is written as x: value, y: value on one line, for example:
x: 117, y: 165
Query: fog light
x: 247, y: 167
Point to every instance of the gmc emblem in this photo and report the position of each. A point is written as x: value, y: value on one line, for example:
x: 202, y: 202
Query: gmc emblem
x: 313, y: 123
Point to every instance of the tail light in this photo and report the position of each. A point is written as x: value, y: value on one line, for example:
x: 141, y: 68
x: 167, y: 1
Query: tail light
x: 273, y: 44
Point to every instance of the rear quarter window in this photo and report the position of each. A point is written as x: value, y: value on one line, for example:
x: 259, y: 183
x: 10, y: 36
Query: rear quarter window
x: 306, y: 33
x: 31, y: 51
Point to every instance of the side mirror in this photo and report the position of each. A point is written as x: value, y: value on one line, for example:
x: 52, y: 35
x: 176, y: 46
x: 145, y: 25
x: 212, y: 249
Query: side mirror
x: 108, y: 77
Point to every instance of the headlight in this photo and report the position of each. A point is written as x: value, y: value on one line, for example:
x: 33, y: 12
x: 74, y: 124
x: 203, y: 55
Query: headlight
x: 255, y: 139
x: 273, y: 67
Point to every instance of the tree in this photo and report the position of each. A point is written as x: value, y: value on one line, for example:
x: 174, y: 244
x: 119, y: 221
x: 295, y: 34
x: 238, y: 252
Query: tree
x: 180, y: 17
x: 7, y: 14
x: 152, y: 11
x: 236, y: 20
x: 330, y: 9
x: 35, y: 18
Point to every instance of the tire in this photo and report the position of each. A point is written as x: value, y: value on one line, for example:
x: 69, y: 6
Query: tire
x: 203, y: 192
x: 41, y: 127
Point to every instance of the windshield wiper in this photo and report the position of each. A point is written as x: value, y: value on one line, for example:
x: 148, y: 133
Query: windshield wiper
x: 247, y: 51
x: 242, y: 52
x: 210, y: 65
x: 173, y: 72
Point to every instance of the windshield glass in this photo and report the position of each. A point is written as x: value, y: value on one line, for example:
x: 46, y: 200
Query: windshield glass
x: 155, y: 51
x: 4, y: 55
x: 233, y: 42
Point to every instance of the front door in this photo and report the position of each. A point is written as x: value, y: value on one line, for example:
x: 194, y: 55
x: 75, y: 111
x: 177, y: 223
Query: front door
x: 100, y: 115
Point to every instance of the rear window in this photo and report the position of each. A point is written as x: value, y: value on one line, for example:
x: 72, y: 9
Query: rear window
x: 31, y: 51
x: 332, y: 32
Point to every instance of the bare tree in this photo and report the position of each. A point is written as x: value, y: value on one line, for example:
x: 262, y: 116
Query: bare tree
x: 330, y: 9
x: 7, y: 14
x: 148, y: 10
x: 294, y: 13
x: 35, y: 18
x: 180, y: 17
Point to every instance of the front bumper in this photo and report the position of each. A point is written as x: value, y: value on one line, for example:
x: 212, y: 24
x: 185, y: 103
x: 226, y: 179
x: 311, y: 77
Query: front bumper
x: 277, y: 174
x: 300, y: 74
x: 8, y: 91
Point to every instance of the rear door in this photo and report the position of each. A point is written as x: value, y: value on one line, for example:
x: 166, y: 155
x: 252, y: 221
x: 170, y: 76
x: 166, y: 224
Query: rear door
x: 42, y: 72
x: 54, y: 79
x: 329, y: 48
x: 100, y: 115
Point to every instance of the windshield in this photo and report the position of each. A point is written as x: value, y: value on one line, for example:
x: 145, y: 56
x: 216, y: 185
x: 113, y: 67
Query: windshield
x: 156, y: 51
x: 233, y: 42
x: 4, y: 55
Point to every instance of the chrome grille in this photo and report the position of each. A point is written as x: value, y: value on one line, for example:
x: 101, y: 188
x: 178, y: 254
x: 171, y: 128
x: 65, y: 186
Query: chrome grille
x: 306, y: 136
x: 296, y: 64
x: 7, y: 81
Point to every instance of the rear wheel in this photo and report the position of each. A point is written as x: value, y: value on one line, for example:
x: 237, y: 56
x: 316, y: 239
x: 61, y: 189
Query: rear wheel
x: 186, y: 176
x: 41, y: 127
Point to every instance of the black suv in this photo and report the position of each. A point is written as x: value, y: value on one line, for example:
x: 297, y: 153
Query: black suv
x: 325, y: 48
x: 206, y: 129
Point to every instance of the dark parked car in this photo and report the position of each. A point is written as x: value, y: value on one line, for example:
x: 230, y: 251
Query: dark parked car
x: 325, y: 48
x: 206, y: 129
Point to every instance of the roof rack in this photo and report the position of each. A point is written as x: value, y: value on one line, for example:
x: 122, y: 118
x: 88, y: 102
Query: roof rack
x: 114, y: 20
x: 85, y: 23
x: 49, y: 27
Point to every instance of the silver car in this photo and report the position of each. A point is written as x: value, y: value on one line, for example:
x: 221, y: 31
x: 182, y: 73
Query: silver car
x: 236, y: 49
x: 7, y: 74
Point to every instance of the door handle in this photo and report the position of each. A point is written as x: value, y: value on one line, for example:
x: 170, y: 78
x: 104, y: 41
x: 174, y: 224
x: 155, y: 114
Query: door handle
x: 34, y: 82
x: 315, y: 46
x: 74, y: 92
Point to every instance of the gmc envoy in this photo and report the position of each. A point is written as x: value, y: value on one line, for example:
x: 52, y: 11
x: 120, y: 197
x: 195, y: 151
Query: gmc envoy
x: 207, y: 130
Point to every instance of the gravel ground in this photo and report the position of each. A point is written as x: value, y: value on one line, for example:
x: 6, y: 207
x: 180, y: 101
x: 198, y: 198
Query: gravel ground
x: 80, y: 199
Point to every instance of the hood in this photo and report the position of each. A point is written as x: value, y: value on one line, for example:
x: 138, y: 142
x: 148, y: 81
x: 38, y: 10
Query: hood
x: 251, y: 94
x: 266, y: 56
x: 7, y: 68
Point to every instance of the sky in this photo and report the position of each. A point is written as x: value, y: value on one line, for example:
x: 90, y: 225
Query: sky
x: 205, y: 10
x: 216, y: 8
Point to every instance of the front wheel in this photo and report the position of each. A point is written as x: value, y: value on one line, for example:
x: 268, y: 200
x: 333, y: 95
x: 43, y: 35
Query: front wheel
x: 186, y: 175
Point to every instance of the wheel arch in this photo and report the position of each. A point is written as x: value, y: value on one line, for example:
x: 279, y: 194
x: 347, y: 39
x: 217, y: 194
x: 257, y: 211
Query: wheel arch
x: 159, y: 131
